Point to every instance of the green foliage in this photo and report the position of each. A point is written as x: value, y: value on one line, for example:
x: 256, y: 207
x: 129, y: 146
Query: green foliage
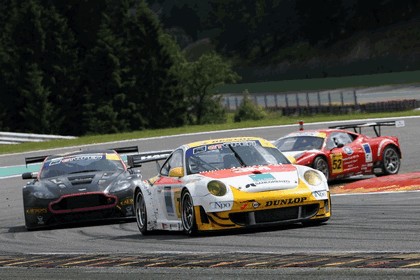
x: 103, y: 66
x: 37, y: 111
x: 201, y: 77
x: 248, y: 110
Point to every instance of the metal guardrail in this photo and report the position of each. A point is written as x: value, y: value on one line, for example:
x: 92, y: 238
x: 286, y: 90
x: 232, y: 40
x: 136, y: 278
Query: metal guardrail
x: 17, y: 138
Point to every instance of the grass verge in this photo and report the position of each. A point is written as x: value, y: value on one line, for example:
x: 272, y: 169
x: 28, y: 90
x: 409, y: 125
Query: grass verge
x: 271, y: 120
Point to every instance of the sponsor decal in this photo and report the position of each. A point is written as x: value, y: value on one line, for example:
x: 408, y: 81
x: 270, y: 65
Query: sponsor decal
x: 83, y: 157
x: 40, y: 220
x: 273, y: 181
x: 254, y: 204
x: 127, y: 201
x: 320, y: 194
x: 199, y: 149
x: 221, y: 205
x: 36, y: 211
x: 262, y: 177
x: 286, y: 201
x: 348, y: 150
x: 368, y: 152
x: 220, y: 146
x: 129, y: 211
x: 112, y: 157
x: 168, y: 201
x: 251, y: 168
x: 336, y: 163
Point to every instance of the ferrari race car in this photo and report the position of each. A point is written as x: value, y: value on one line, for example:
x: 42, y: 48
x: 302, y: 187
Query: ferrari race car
x: 338, y: 152
x: 229, y: 183
x: 79, y: 186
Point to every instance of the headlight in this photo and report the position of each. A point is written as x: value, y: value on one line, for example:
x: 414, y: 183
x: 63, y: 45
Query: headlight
x: 312, y: 177
x: 120, y: 186
x: 216, y: 188
x: 43, y: 195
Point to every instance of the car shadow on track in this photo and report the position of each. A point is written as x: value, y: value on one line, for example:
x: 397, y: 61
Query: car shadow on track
x: 169, y: 235
x: 73, y: 225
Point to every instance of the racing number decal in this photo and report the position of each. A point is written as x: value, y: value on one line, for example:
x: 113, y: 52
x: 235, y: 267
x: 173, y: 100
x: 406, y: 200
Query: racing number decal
x: 336, y: 163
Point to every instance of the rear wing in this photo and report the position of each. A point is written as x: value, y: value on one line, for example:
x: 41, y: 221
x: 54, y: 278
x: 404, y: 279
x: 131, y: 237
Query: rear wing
x: 138, y: 159
x: 126, y: 150
x: 36, y: 159
x: 357, y: 127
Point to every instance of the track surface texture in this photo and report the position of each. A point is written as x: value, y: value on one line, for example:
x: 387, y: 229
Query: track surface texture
x: 373, y: 233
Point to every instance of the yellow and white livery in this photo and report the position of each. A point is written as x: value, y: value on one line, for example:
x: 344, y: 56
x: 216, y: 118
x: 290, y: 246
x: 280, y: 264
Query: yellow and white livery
x: 228, y: 183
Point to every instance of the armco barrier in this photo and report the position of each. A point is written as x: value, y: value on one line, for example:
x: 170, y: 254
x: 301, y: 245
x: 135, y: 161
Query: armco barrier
x: 16, y: 138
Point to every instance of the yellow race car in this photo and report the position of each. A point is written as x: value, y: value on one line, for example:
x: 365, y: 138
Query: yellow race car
x: 225, y: 184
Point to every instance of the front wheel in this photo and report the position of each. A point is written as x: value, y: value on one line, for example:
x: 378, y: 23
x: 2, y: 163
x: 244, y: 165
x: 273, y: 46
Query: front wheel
x: 188, y: 214
x: 141, y: 213
x: 322, y: 165
x: 390, y: 161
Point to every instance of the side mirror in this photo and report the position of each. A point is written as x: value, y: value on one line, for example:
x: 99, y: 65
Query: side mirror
x: 338, y: 143
x: 29, y: 175
x: 176, y: 172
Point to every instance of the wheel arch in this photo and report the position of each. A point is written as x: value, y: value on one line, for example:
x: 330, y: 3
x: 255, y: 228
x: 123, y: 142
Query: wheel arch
x: 396, y: 147
x: 148, y: 197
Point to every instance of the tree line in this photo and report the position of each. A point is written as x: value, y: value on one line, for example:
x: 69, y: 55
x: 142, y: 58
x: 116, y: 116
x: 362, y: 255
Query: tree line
x: 297, y: 39
x: 100, y: 66
x: 104, y: 66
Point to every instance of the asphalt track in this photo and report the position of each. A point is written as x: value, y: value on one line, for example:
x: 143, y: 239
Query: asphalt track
x: 373, y: 234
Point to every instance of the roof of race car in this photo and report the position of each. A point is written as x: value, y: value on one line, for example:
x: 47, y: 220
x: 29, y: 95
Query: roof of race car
x: 315, y: 132
x: 264, y: 142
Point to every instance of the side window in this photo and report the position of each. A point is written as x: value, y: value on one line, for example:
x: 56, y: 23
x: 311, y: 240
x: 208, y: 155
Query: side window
x: 337, y: 138
x: 175, y: 160
x: 345, y: 138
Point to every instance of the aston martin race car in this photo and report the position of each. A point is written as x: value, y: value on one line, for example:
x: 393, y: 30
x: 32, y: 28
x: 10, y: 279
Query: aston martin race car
x: 338, y: 152
x: 79, y: 186
x: 225, y: 184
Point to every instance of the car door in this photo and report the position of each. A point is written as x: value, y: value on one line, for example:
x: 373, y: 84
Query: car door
x: 168, y: 188
x: 346, y: 154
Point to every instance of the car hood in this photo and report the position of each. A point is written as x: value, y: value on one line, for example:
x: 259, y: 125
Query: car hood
x: 80, y: 182
x: 258, y: 178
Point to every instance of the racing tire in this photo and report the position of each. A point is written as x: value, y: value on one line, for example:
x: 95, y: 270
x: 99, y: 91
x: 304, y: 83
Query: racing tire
x: 321, y: 164
x: 188, y: 214
x: 141, y: 213
x: 390, y: 161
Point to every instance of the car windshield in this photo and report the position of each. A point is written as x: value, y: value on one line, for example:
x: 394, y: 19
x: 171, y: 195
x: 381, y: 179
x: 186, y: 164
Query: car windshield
x: 80, y: 163
x: 231, y: 154
x: 299, y: 143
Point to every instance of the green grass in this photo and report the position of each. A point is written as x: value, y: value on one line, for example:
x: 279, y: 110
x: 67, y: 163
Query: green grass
x: 409, y: 77
x: 272, y: 120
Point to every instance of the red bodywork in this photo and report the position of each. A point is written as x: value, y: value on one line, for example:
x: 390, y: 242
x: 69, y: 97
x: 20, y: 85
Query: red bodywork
x: 360, y: 155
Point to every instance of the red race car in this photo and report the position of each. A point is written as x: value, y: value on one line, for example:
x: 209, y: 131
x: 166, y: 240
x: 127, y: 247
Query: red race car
x: 338, y: 152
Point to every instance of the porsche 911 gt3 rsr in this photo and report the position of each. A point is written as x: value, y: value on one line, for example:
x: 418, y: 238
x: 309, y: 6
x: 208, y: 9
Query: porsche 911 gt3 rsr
x: 79, y: 186
x: 227, y: 184
x: 340, y: 153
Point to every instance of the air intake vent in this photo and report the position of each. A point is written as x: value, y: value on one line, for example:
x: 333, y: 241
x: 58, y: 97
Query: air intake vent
x: 81, y: 180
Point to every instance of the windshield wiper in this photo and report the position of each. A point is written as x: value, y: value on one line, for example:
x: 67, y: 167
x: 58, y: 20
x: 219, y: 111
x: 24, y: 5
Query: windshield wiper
x: 241, y: 162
